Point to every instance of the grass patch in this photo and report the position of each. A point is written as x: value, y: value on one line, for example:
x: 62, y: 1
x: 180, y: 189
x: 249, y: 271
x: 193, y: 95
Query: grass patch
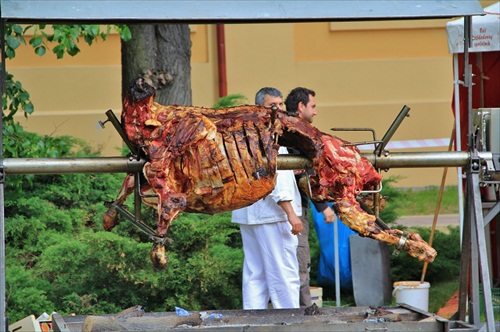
x: 423, y: 201
x: 440, y: 293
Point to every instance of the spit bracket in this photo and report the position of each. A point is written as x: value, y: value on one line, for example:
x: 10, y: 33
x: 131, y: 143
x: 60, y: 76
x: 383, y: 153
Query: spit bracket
x: 401, y: 243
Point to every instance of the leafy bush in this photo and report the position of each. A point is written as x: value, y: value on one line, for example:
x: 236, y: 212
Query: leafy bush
x: 231, y: 100
x: 58, y: 257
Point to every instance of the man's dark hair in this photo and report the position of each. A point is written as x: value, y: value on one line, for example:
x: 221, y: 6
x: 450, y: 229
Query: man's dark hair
x: 296, y: 96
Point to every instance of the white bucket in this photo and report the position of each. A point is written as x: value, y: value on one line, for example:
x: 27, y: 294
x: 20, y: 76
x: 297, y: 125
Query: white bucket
x: 413, y: 293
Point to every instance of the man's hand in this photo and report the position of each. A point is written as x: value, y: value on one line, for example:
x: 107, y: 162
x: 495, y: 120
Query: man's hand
x: 329, y: 215
x: 298, y: 171
x: 292, y: 217
x: 296, y: 224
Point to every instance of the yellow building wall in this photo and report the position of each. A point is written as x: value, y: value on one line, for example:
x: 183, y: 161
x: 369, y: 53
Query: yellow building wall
x: 358, y: 79
x: 363, y: 73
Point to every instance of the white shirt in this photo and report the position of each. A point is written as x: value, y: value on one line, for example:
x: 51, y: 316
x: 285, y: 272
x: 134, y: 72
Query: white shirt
x: 267, y: 210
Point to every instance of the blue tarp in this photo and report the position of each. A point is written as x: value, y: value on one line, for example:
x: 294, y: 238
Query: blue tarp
x: 326, y: 265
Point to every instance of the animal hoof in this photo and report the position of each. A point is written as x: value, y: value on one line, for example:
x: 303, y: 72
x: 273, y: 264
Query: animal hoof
x: 159, y: 256
x: 110, y: 219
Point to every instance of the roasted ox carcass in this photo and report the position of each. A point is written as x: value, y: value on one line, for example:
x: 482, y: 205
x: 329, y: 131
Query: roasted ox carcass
x: 215, y: 160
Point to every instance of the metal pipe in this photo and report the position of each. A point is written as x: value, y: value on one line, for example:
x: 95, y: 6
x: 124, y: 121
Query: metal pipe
x: 4, y: 324
x: 393, y: 160
x: 131, y: 165
x: 419, y: 159
x: 71, y: 165
x: 288, y: 161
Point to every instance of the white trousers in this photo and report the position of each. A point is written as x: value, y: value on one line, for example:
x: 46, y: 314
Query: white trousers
x: 270, y: 268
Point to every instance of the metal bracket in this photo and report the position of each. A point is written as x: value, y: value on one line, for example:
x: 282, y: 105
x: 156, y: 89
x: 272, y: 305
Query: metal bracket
x: 139, y: 191
x: 376, y: 191
x: 137, y: 177
x: 475, y: 162
x: 116, y: 123
x: 374, y: 141
x: 140, y: 225
x: 378, y: 221
x: 401, y: 244
x: 392, y: 129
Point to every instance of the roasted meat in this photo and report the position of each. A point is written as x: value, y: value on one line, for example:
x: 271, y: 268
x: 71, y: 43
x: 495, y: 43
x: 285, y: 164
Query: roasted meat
x: 215, y: 160
x: 341, y: 173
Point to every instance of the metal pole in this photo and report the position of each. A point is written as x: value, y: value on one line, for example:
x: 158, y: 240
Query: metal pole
x: 458, y: 141
x: 394, y: 160
x: 479, y: 259
x: 480, y: 251
x: 14, y: 166
x: 71, y: 165
x: 337, y: 260
x: 392, y: 129
x: 419, y: 159
x: 3, y: 318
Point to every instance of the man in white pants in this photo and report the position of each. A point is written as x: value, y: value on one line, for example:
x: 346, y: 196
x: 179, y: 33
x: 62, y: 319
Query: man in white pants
x: 268, y: 230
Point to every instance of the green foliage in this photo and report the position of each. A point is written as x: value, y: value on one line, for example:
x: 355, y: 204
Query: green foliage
x: 423, y: 201
x: 65, y: 38
x: 18, y: 143
x: 314, y: 250
x: 211, y: 247
x: 22, y: 144
x: 440, y: 292
x: 25, y: 293
x: 14, y: 37
x: 58, y: 258
x: 19, y: 99
x: 231, y: 100
x: 101, y: 268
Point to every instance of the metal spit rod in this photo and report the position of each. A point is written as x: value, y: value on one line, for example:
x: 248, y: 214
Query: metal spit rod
x: 394, y: 160
x: 71, y: 165
x: 116, y: 123
x: 392, y: 129
x: 131, y: 165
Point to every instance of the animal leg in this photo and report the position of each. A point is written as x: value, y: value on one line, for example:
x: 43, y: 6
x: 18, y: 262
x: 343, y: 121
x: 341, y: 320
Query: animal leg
x: 364, y: 224
x: 110, y: 219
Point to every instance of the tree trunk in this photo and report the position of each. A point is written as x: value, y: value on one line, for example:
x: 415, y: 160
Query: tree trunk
x: 160, y: 53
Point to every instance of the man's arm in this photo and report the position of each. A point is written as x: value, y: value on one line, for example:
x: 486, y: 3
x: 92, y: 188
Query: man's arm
x: 322, y: 207
x: 292, y: 217
x: 329, y: 215
x: 326, y: 210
